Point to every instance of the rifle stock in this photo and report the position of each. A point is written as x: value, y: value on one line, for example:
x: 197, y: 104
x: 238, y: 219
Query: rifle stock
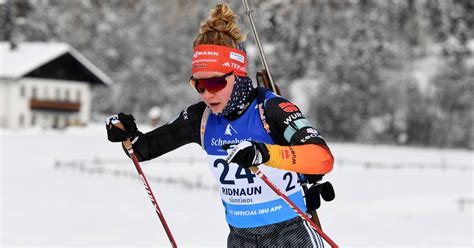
x: 264, y: 79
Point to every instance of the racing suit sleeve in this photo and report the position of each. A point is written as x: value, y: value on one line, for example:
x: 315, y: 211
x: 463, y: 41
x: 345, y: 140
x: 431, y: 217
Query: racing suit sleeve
x: 301, y: 148
x: 184, y: 129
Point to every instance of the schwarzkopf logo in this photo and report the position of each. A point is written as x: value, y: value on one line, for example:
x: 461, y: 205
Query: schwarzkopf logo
x: 229, y: 130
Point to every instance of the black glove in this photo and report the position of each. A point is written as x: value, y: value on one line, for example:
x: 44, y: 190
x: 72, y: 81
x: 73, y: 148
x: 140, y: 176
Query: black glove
x: 316, y: 191
x: 116, y: 134
x: 313, y: 198
x: 247, y: 154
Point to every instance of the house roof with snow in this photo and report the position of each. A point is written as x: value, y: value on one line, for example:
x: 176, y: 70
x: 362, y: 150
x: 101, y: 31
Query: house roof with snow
x: 48, y: 60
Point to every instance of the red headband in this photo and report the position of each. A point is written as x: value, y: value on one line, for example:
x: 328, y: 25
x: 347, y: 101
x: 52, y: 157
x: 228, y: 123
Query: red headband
x: 219, y: 59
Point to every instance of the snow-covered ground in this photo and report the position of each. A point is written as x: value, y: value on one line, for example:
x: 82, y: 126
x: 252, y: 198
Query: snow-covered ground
x: 74, y: 188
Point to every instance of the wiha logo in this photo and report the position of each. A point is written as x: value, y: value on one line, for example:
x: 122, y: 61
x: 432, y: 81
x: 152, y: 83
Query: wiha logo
x: 229, y: 130
x: 199, y: 53
x: 288, y: 107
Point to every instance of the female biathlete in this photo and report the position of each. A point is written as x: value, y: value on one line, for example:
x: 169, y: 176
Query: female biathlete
x: 240, y: 126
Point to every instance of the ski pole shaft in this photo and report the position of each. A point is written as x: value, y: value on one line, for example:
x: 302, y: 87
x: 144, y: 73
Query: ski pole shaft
x: 259, y: 173
x: 128, y: 146
x: 152, y: 198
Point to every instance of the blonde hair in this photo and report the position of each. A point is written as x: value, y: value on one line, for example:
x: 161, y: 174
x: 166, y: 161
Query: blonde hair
x: 220, y: 28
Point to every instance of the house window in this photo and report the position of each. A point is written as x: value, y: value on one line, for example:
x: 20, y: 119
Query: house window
x: 34, y: 92
x: 58, y: 95
x: 21, y: 120
x: 33, y: 119
x: 66, y: 95
x: 78, y: 95
x: 22, y: 91
x: 46, y: 93
x: 56, y: 121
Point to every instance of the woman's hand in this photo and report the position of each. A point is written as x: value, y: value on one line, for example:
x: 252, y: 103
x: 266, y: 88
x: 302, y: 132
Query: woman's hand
x: 115, y: 134
x: 247, y: 154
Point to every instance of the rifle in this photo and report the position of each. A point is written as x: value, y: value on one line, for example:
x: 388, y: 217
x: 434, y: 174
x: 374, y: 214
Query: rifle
x: 265, y: 79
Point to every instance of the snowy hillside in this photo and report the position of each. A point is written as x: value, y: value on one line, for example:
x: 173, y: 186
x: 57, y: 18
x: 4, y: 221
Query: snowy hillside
x: 74, y: 188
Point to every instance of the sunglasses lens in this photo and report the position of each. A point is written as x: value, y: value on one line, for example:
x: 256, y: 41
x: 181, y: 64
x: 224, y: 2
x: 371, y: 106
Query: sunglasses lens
x: 200, y: 88
x: 215, y: 84
x: 210, y: 84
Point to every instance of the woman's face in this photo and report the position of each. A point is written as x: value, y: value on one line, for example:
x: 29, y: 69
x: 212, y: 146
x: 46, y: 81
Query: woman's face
x: 218, y: 100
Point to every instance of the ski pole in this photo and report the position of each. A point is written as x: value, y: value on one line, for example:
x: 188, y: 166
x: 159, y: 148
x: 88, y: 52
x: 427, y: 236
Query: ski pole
x: 128, y: 146
x: 259, y: 173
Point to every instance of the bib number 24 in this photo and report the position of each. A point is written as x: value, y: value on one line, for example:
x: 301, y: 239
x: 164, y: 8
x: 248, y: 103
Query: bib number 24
x: 242, y: 173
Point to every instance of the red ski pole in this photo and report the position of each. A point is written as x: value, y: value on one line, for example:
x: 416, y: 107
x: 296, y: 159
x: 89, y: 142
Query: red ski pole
x: 259, y: 173
x: 128, y: 146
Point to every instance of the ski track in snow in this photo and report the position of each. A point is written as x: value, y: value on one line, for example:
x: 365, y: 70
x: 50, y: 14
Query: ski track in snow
x: 54, y: 194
